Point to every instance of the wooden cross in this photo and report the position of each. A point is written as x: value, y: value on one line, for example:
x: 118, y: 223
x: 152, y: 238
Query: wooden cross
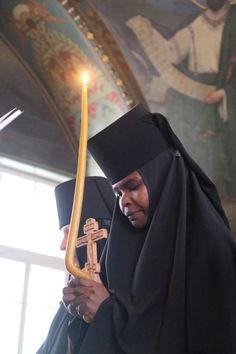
x: 92, y: 235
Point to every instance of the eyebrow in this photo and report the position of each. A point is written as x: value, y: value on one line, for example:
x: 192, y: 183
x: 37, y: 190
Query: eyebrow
x: 125, y: 184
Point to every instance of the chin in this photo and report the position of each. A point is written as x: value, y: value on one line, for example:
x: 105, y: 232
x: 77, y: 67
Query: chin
x: 138, y: 224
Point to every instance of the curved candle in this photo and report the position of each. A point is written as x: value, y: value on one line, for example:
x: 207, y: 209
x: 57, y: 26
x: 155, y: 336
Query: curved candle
x: 79, y: 188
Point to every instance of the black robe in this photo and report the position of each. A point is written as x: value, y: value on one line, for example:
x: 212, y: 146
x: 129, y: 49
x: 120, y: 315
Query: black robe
x: 98, y: 203
x: 57, y: 338
x: 172, y: 284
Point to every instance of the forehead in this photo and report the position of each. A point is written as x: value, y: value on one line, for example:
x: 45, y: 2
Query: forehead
x: 133, y: 177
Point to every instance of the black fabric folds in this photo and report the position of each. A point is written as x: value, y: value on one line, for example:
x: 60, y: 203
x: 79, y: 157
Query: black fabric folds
x: 57, y: 338
x: 173, y: 284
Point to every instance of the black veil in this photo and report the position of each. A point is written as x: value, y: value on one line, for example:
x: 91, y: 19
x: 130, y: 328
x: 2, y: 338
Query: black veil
x: 172, y: 284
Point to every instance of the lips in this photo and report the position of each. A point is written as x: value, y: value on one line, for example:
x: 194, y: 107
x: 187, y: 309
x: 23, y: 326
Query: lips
x: 132, y: 215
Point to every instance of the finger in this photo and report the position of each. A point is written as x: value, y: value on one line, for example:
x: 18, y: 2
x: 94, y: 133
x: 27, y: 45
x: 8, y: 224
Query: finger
x: 84, y: 291
x: 87, y: 303
x: 86, y: 307
x: 81, y: 309
x: 73, y: 282
x: 78, y: 310
x: 81, y: 299
x: 68, y: 290
x: 72, y: 309
x: 68, y: 298
x: 86, y: 282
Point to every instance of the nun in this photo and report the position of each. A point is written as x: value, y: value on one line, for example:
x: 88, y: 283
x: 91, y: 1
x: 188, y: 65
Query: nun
x: 170, y: 261
x: 67, y: 328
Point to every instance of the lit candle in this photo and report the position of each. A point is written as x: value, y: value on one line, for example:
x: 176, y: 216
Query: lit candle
x: 79, y: 187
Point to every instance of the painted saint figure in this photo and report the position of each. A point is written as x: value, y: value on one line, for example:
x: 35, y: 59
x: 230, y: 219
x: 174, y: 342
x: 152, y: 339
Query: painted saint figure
x: 199, y: 65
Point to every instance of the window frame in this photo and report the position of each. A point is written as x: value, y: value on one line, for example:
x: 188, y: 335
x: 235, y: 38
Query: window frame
x: 29, y: 258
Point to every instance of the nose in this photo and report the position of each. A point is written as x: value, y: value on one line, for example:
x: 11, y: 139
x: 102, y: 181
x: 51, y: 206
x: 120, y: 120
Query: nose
x: 125, y: 200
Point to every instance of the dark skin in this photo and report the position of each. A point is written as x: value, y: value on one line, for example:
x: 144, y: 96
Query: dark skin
x: 84, y: 296
x: 133, y: 199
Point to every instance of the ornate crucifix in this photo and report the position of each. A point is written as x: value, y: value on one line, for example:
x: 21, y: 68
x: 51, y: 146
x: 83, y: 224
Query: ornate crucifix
x: 92, y: 235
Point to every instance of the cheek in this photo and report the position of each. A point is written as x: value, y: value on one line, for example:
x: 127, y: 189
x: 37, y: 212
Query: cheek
x: 146, y: 201
x: 143, y: 199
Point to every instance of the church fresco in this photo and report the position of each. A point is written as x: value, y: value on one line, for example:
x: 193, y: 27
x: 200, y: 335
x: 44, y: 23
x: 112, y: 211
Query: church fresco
x: 36, y: 137
x: 184, y: 58
x: 54, y: 47
x: 47, y: 39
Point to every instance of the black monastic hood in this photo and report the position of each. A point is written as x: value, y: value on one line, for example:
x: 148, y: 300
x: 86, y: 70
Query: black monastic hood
x: 172, y: 284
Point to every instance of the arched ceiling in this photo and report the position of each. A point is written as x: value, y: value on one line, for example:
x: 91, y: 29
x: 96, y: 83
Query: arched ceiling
x: 45, y: 45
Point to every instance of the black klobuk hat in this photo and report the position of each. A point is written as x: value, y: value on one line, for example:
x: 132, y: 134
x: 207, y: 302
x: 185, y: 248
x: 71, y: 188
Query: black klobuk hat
x: 98, y: 200
x: 127, y: 144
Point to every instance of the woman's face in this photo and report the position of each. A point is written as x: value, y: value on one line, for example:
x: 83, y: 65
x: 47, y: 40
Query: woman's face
x: 133, y: 199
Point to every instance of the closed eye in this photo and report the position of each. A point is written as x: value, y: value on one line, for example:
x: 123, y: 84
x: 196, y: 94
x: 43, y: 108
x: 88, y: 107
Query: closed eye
x: 130, y: 185
x: 133, y: 187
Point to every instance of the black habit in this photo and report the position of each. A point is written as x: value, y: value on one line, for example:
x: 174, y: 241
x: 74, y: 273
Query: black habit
x: 98, y: 203
x: 172, y: 284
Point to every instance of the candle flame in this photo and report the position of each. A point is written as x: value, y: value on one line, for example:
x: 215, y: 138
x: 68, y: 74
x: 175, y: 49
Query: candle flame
x: 85, y: 78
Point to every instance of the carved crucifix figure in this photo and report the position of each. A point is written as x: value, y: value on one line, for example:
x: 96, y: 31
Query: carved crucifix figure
x: 92, y: 235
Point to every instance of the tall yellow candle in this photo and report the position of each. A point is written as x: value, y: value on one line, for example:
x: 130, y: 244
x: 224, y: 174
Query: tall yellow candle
x: 79, y: 187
